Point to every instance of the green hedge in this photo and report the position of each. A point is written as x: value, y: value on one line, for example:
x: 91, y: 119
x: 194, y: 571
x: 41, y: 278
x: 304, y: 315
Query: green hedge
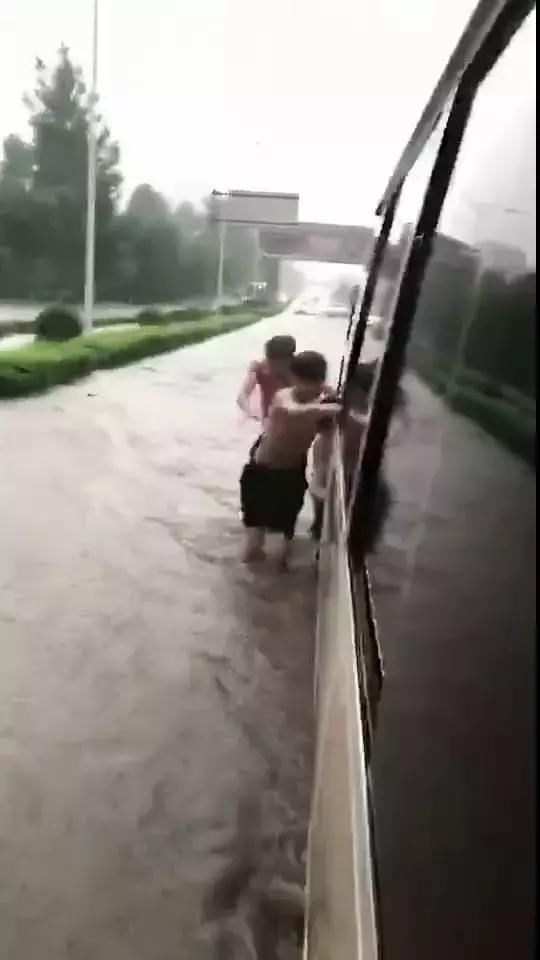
x: 39, y: 366
x: 510, y: 420
x: 180, y: 315
x: 499, y: 418
x: 150, y: 318
x: 262, y: 310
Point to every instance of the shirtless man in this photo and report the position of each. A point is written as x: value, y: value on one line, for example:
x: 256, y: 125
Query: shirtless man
x: 273, y: 482
x: 268, y: 375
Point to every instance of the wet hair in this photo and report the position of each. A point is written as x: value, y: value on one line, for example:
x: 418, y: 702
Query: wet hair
x: 310, y: 366
x: 280, y: 348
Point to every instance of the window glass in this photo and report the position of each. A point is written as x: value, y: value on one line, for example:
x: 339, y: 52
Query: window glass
x: 386, y: 287
x: 454, y: 573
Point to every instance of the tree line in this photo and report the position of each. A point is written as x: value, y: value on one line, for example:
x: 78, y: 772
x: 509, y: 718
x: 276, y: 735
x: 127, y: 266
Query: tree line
x: 479, y: 319
x: 471, y: 320
x: 145, y: 253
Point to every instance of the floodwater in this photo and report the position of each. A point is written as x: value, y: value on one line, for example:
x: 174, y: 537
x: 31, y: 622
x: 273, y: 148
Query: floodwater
x: 155, y: 694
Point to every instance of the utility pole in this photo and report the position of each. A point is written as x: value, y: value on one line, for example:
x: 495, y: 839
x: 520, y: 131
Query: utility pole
x: 222, y: 226
x: 89, y: 267
x: 219, y: 284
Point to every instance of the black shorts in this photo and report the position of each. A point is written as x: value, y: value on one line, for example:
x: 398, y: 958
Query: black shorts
x: 271, y: 497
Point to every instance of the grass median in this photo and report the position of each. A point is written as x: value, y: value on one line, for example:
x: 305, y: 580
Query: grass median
x: 176, y: 315
x: 42, y: 365
x: 509, y: 417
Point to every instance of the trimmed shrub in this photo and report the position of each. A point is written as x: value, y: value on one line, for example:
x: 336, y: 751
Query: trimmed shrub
x: 150, y: 318
x: 58, y: 323
x: 511, y: 423
x: 506, y: 423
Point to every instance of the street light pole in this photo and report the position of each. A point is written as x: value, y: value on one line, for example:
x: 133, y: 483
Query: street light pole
x: 89, y: 268
x: 219, y: 285
x: 256, y: 256
x: 220, y: 197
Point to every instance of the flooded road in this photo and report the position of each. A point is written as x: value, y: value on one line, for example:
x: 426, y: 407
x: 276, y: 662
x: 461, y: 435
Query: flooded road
x: 155, y: 696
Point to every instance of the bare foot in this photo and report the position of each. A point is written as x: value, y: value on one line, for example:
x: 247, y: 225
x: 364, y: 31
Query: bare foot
x: 284, y: 561
x: 254, y: 555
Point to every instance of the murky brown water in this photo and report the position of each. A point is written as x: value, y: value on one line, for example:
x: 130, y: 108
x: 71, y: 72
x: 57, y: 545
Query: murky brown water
x: 155, y: 696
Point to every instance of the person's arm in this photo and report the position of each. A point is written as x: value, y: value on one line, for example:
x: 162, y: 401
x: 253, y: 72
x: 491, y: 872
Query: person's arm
x: 329, y: 392
x: 246, y: 391
x: 286, y: 406
x: 322, y: 451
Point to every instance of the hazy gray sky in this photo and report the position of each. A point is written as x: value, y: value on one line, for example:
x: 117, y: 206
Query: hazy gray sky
x: 256, y: 94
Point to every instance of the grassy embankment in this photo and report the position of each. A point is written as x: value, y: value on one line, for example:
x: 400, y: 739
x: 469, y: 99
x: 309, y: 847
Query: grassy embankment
x: 42, y: 364
x: 508, y: 415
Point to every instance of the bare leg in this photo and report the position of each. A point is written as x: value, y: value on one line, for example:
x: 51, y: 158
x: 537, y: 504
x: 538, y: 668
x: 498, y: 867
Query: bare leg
x: 254, y: 548
x: 284, y: 555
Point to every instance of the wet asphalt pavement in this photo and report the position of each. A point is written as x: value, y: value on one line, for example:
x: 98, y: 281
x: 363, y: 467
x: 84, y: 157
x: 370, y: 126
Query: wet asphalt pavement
x: 155, y: 695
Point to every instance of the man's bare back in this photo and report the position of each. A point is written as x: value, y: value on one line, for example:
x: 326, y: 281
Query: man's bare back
x: 291, y: 428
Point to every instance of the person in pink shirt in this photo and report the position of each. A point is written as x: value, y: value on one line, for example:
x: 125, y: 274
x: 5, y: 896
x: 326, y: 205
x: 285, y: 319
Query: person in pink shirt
x: 267, y: 377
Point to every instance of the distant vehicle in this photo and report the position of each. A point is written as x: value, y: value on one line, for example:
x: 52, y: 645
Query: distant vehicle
x: 377, y: 328
x: 337, y: 310
x: 342, y: 301
x: 256, y: 295
x: 254, y: 302
x: 307, y: 307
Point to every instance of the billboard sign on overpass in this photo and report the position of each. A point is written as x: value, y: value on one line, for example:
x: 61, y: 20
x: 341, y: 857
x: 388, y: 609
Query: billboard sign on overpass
x: 330, y: 243
x: 254, y: 208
